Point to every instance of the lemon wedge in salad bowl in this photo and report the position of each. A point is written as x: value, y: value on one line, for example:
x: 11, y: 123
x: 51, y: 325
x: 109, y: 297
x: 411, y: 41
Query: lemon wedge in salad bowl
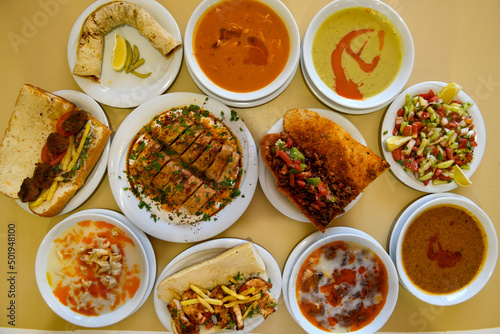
x: 120, y: 53
x: 394, y: 142
x: 459, y: 177
x: 449, y: 92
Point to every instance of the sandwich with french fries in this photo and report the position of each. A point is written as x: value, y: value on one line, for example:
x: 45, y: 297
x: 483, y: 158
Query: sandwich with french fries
x: 220, y: 293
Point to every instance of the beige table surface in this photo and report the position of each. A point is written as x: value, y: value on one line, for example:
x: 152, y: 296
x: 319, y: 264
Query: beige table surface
x: 454, y: 41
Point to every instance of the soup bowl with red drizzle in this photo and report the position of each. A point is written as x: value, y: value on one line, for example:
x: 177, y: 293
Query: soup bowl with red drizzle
x: 357, y: 56
x: 343, y: 282
x: 446, y: 251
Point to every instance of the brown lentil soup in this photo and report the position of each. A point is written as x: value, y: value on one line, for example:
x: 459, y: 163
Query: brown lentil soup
x: 443, y: 249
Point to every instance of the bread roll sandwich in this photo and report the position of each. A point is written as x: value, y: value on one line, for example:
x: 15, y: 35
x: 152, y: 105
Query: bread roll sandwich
x: 318, y: 165
x: 49, y: 148
x: 219, y: 293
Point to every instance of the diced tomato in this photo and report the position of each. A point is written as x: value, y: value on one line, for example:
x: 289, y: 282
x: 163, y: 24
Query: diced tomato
x: 410, y: 163
x: 59, y: 127
x: 468, y: 156
x: 51, y: 158
x: 401, y: 112
x: 292, y: 179
x: 444, y: 177
x: 242, y: 288
x: 301, y: 183
x: 438, y: 172
x: 425, y: 115
x: 407, y: 130
x: 397, y: 154
x: 416, y: 127
x: 449, y: 153
x: 433, y: 98
x: 426, y: 182
x: 285, y: 158
x: 441, y: 111
x: 303, y: 175
x: 323, y: 190
x: 289, y: 142
x: 426, y: 96
x: 459, y: 161
x: 463, y: 143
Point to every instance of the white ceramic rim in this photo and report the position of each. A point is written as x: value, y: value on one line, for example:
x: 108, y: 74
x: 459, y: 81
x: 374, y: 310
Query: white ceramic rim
x: 479, y: 281
x: 367, y: 241
x: 268, y: 181
x: 136, y: 90
x: 204, y: 251
x: 64, y: 312
x: 88, y: 104
x: 161, y: 228
x: 250, y: 98
x: 388, y: 125
x: 394, y: 88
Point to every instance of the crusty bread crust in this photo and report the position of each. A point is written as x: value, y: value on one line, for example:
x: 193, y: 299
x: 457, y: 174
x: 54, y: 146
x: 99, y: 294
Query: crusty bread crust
x: 66, y: 191
x: 35, y: 116
x: 317, y: 136
x: 244, y: 260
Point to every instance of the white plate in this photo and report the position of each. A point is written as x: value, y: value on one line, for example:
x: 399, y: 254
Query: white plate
x: 388, y: 125
x: 268, y: 181
x: 66, y: 313
x: 146, y: 244
x: 206, y: 251
x: 119, y: 89
x: 86, y: 103
x: 128, y: 203
x: 302, y: 246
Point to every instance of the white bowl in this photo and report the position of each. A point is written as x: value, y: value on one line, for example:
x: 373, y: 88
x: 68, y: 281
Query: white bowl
x: 367, y: 241
x: 408, y: 178
x: 249, y: 99
x: 41, y: 265
x: 480, y: 279
x: 327, y: 93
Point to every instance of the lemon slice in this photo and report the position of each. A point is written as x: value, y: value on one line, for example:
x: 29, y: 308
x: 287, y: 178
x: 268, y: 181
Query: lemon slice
x: 120, y: 53
x: 449, y: 92
x: 394, y: 142
x: 459, y: 177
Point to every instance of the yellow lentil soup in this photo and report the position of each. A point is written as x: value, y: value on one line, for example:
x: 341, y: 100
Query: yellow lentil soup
x: 443, y: 249
x: 357, y: 52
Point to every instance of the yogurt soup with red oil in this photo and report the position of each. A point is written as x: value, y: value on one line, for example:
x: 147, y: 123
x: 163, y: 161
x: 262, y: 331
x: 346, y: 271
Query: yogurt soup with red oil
x: 94, y: 268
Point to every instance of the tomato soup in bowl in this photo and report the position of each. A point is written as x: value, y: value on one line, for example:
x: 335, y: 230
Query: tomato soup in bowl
x: 446, y: 251
x: 242, y: 51
x: 357, y: 56
x: 91, y: 270
x: 343, y: 282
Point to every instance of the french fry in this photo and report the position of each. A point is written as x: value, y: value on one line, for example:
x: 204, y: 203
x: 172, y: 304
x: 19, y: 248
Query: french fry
x: 205, y: 304
x: 234, y: 294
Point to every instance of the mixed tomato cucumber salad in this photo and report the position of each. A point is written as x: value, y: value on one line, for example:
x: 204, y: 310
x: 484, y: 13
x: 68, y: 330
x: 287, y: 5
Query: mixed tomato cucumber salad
x: 432, y: 137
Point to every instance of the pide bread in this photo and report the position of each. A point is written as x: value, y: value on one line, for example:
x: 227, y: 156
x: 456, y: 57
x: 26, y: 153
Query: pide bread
x: 318, y: 165
x: 24, y: 148
x: 240, y: 270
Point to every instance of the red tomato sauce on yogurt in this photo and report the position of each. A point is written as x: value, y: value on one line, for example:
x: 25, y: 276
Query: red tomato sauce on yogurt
x: 342, y: 286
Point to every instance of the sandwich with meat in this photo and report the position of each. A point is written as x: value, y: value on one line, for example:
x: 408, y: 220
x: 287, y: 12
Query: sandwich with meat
x: 220, y: 293
x: 48, y: 150
x: 318, y: 166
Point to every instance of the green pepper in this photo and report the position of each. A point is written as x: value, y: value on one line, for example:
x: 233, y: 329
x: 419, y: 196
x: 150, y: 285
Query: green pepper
x: 313, y: 181
x: 295, y: 154
x: 303, y: 166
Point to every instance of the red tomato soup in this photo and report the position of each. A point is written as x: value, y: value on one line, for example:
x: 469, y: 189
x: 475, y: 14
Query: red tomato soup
x: 93, y: 268
x: 241, y: 45
x: 342, y: 286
